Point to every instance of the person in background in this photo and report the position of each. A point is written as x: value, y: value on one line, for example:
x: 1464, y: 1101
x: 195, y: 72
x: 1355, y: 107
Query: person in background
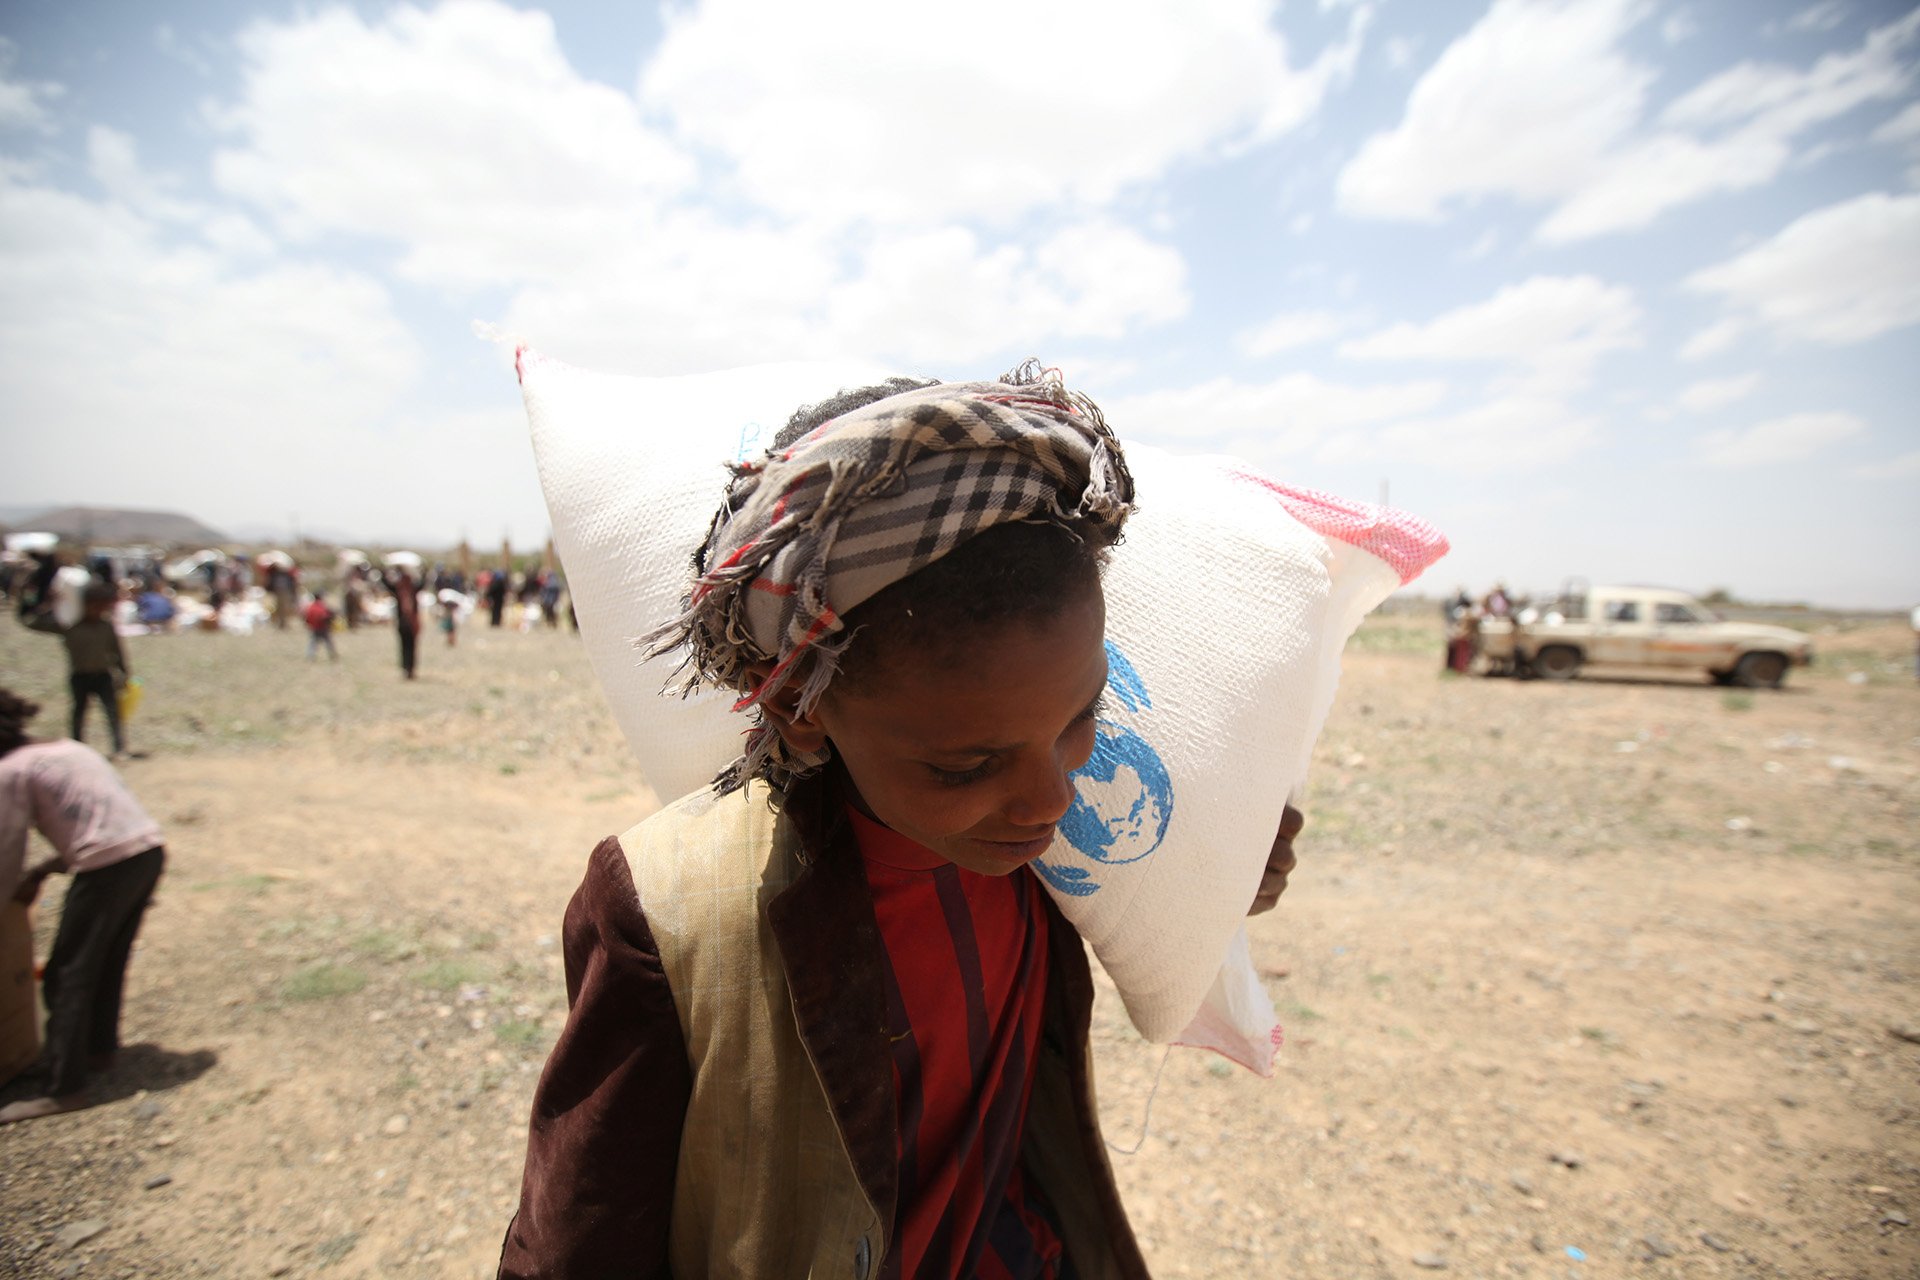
x: 39, y: 581
x: 319, y: 620
x: 450, y: 616
x: 96, y: 664
x: 496, y: 597
x: 406, y: 615
x: 105, y: 840
x: 550, y: 598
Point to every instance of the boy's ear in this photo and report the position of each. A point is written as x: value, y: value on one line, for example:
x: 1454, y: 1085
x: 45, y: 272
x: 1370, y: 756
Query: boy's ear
x: 803, y: 734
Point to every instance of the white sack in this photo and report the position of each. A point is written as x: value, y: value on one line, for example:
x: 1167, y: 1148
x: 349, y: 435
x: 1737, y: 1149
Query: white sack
x: 69, y: 590
x: 1227, y: 605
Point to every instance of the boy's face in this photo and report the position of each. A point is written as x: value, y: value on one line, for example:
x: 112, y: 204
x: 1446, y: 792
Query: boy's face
x: 970, y: 756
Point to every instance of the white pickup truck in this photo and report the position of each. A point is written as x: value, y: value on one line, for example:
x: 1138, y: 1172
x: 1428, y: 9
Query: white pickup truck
x: 1640, y: 627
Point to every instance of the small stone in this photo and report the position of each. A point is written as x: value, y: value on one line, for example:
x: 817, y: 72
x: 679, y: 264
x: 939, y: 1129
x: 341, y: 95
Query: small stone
x: 1908, y: 1031
x: 1571, y: 1159
x: 395, y: 1125
x: 279, y: 1266
x: 1715, y: 1243
x: 146, y: 1109
x: 1431, y: 1261
x: 76, y: 1233
x: 166, y: 1139
x: 1520, y: 1182
x: 157, y: 1181
x: 1893, y: 1217
x: 1807, y: 1028
x: 1656, y: 1246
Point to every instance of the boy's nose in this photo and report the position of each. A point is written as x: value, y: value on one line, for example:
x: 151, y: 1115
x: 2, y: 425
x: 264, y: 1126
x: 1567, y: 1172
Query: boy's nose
x: 1044, y: 794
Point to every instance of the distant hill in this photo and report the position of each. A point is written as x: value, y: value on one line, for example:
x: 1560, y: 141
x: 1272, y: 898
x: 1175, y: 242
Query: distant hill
x: 117, y: 524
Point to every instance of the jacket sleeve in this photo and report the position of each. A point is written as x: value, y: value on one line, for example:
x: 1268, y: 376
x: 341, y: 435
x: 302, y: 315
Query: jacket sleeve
x: 596, y: 1197
x: 44, y: 621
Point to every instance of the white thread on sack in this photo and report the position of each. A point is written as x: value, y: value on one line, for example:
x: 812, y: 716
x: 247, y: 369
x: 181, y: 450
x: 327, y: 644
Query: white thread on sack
x: 1146, y: 1118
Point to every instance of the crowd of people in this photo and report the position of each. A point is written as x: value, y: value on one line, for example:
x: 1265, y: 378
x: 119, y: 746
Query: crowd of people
x: 1464, y: 616
x: 91, y: 604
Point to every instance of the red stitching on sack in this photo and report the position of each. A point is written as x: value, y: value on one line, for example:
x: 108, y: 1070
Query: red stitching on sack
x: 1408, y: 544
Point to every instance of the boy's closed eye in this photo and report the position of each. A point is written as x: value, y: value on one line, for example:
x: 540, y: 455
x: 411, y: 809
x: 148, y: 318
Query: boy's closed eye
x: 954, y: 773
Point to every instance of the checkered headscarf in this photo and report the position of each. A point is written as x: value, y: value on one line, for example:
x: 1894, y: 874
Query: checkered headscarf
x: 817, y: 527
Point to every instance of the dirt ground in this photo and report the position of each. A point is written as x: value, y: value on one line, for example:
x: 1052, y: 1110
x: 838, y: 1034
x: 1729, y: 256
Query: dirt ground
x: 1613, y: 978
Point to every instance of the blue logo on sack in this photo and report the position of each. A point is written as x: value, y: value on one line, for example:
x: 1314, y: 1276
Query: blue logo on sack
x: 749, y: 441
x: 1123, y: 798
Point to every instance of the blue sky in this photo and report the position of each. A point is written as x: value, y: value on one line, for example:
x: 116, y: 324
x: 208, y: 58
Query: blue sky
x: 1604, y: 288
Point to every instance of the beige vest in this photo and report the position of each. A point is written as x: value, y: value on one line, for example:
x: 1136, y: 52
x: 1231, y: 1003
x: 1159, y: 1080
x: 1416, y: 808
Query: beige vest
x: 766, y: 1185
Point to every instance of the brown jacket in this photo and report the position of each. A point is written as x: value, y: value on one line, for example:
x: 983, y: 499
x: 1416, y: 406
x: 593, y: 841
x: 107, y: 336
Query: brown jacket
x: 721, y: 1102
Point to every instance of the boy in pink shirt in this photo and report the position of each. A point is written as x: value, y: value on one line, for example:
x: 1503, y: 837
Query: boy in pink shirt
x: 105, y: 840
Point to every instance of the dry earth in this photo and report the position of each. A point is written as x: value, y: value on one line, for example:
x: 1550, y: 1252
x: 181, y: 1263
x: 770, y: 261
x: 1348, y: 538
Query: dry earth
x: 1605, y: 979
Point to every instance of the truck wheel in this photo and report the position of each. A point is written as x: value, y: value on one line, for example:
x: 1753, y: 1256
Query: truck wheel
x: 1556, y: 662
x: 1760, y: 671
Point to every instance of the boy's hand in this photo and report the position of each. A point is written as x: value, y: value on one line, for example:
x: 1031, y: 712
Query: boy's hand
x: 1280, y: 862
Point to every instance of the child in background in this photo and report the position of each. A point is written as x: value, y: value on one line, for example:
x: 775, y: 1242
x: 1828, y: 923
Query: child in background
x: 106, y: 841
x: 319, y: 620
x: 96, y: 664
x: 823, y: 1018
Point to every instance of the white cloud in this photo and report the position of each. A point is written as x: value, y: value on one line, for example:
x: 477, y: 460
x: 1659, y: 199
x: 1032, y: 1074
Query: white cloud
x: 1824, y: 16
x: 1400, y: 52
x: 463, y: 137
x: 23, y: 103
x: 1551, y: 329
x: 870, y: 111
x: 1838, y: 275
x: 939, y: 296
x: 1501, y: 434
x: 1715, y: 338
x: 461, y: 133
x: 1717, y: 393
x: 1901, y: 129
x: 168, y: 43
x: 1285, y: 416
x: 169, y: 357
x: 1679, y: 25
x: 1899, y: 467
x: 1541, y: 103
x: 1793, y: 438
x: 1522, y: 103
x: 704, y: 296
x: 1291, y: 329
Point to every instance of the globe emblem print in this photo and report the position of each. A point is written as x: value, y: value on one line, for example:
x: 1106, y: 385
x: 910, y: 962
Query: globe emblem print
x: 1123, y: 797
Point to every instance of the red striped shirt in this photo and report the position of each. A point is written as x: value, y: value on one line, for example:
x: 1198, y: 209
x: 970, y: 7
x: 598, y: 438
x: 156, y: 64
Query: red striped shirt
x: 966, y: 993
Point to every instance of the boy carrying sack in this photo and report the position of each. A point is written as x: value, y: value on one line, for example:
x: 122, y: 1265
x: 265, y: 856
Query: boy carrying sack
x: 824, y: 1021
x: 96, y: 662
